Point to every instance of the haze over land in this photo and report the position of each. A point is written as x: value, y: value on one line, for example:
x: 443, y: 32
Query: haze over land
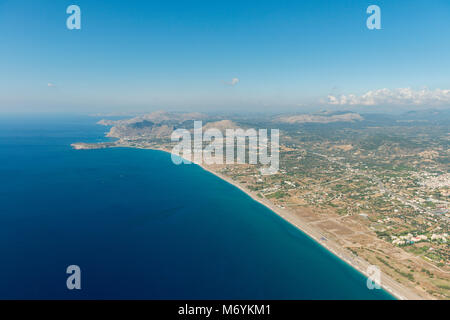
x: 372, y: 188
x: 363, y: 113
x: 212, y: 56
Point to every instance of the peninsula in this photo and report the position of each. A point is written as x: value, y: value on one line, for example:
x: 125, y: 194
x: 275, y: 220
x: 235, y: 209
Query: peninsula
x: 373, y: 191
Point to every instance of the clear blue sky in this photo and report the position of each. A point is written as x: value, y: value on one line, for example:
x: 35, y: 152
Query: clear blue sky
x: 183, y: 55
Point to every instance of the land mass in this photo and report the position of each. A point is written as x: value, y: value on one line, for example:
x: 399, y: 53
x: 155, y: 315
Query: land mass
x: 372, y: 189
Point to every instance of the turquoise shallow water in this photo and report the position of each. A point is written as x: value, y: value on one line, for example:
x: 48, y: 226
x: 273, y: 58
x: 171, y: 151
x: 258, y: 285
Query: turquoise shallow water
x: 140, y: 227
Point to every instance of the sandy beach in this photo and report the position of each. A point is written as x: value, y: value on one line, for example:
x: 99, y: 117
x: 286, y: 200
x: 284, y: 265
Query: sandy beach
x: 361, y: 265
x: 396, y: 289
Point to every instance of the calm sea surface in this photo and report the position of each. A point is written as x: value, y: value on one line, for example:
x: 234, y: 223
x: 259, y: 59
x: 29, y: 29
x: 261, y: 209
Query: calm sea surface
x: 140, y: 227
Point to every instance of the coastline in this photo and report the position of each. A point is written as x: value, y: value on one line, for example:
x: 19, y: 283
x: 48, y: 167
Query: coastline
x: 393, y: 287
x: 396, y: 289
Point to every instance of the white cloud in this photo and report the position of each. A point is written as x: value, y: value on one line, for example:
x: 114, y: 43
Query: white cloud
x: 233, y: 82
x: 400, y: 96
x: 51, y: 85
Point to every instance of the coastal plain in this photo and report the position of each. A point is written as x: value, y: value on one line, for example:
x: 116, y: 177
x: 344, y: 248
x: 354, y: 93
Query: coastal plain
x: 373, y: 190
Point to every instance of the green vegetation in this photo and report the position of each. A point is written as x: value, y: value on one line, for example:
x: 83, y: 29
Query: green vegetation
x: 277, y: 195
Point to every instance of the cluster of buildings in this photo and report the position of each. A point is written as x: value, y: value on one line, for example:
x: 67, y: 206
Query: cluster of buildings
x: 436, y: 181
x: 410, y: 239
x: 439, y: 237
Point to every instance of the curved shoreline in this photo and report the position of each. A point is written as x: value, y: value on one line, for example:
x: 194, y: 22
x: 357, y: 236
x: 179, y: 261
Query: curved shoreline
x: 390, y: 285
x: 316, y: 236
x: 396, y: 289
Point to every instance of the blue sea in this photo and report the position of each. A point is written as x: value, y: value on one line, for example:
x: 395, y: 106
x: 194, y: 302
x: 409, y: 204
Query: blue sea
x: 140, y: 227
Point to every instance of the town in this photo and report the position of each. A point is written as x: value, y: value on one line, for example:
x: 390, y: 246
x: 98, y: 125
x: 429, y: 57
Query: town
x: 376, y: 186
